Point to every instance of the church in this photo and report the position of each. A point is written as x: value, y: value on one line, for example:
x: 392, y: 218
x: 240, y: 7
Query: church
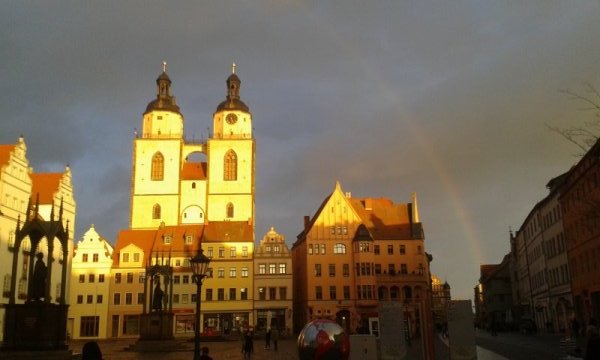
x: 184, y: 195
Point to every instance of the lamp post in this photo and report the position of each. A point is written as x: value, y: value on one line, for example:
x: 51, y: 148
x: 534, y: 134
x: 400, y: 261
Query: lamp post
x: 199, y: 265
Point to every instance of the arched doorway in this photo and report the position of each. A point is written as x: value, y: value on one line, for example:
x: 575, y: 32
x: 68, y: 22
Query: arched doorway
x: 342, y: 317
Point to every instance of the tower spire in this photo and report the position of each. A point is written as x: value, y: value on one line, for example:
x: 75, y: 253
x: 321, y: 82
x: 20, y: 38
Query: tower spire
x: 233, y: 68
x: 164, y: 66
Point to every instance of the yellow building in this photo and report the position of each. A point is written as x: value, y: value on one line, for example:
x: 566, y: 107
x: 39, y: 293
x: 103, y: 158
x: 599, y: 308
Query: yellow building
x: 185, y: 195
x: 45, y: 192
x: 354, y: 253
x: 90, y: 281
x: 273, y: 283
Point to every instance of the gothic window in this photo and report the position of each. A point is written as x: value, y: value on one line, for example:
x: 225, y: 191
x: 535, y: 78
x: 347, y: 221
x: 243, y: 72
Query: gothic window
x: 156, y: 211
x: 158, y: 167
x: 230, y: 166
x: 229, y: 210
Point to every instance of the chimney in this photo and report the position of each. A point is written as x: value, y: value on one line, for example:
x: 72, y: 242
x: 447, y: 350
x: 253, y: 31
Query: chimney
x: 369, y: 204
x: 306, y: 221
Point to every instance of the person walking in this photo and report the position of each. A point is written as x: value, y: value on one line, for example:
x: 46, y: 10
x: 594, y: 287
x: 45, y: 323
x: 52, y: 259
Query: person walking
x: 204, y: 355
x: 247, y: 345
x: 275, y: 337
x: 268, y: 339
x: 592, y: 347
x: 91, y: 351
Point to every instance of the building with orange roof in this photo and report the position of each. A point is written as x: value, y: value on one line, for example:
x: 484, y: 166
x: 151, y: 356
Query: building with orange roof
x: 46, y: 192
x: 353, y: 254
x: 188, y: 195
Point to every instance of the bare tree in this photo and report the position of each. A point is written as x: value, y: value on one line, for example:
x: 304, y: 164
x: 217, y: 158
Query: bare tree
x: 585, y: 133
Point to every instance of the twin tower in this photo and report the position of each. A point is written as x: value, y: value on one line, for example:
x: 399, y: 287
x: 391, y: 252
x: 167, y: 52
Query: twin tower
x: 177, y: 182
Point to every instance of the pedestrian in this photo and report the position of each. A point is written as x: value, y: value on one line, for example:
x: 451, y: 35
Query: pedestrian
x: 592, y: 347
x: 575, y: 327
x: 247, y: 345
x: 268, y: 339
x: 204, y: 355
x: 91, y: 351
x: 275, y: 337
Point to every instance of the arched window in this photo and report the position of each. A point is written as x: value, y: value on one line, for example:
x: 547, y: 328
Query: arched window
x: 156, y: 211
x: 158, y: 167
x: 229, y: 210
x: 339, y: 249
x: 193, y: 185
x: 230, y: 166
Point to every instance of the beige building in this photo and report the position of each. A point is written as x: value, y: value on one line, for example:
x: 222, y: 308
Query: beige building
x: 90, y: 284
x: 45, y: 193
x: 186, y: 195
x: 273, y: 283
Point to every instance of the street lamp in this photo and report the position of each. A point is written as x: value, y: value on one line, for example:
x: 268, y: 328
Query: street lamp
x: 199, y: 265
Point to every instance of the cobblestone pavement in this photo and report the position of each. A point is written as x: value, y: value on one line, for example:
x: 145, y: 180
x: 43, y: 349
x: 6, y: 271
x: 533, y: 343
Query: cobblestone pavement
x: 222, y: 350
x: 231, y: 350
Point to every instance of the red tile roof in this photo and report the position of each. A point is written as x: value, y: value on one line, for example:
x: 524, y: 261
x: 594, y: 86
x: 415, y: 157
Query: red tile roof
x: 384, y: 219
x: 193, y: 171
x: 236, y: 231
x: 46, y: 185
x: 152, y: 241
x: 5, y: 151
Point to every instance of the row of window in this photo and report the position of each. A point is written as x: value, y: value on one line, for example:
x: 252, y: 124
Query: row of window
x: 338, y: 248
x: 230, y: 165
x: 210, y: 295
x: 95, y: 257
x: 233, y: 251
x: 586, y: 262
x: 365, y: 292
x: 262, y: 268
x: 273, y: 248
x: 367, y: 269
x: 554, y: 246
x: 91, y: 278
x: 559, y: 275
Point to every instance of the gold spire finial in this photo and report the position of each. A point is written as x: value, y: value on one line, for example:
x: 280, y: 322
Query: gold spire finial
x: 164, y: 66
x: 233, y: 68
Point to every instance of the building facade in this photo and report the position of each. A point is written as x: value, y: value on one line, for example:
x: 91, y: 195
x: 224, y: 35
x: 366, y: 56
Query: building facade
x: 354, y: 253
x: 45, y: 194
x: 188, y: 195
x: 440, y: 294
x: 493, y: 297
x: 540, y: 271
x: 580, y: 201
x: 273, y: 287
x: 90, y: 278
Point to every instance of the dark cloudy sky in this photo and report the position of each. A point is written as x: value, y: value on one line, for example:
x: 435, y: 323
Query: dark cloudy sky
x: 448, y: 99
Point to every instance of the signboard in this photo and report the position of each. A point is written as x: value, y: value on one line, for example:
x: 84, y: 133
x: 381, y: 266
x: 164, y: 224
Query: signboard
x: 392, y: 331
x: 461, y: 331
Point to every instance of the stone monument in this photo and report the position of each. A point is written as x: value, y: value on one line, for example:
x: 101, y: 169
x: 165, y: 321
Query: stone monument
x: 37, y: 328
x: 156, y: 320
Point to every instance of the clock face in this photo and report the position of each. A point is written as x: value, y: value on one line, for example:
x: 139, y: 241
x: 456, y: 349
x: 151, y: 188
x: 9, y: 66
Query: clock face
x: 231, y: 119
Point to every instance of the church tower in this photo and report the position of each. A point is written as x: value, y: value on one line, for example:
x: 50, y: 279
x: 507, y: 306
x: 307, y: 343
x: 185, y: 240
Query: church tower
x: 231, y: 159
x: 170, y: 188
x: 157, y: 153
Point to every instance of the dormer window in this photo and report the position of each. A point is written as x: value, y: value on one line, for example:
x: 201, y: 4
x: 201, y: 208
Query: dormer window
x: 167, y: 239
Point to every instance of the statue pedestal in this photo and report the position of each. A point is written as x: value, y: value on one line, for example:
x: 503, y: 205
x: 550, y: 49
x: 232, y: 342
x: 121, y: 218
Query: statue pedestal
x: 156, y: 326
x: 35, y: 326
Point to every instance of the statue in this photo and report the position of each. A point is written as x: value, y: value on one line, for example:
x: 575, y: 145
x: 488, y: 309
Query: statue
x: 157, y: 298
x: 38, y: 281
